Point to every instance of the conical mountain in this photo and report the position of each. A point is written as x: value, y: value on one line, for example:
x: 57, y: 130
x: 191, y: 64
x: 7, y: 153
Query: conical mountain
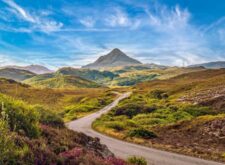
x: 115, y: 58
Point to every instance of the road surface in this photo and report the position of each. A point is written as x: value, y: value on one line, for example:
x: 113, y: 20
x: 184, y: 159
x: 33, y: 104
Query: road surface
x: 124, y: 149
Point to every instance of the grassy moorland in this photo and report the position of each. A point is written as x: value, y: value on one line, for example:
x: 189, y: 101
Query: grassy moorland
x: 184, y: 114
x: 60, y: 81
x: 33, y: 135
x: 32, y: 128
x: 128, y: 76
x: 68, y: 103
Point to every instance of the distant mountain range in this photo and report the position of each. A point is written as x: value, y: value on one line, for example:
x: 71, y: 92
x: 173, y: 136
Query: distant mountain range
x: 114, y: 59
x: 37, y: 69
x: 16, y: 74
x: 211, y: 65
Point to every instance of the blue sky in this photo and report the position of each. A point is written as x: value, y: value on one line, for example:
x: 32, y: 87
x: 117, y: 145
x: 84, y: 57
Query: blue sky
x: 60, y: 33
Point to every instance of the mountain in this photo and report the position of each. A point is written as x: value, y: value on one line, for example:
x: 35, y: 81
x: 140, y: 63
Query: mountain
x: 115, y: 58
x: 211, y: 65
x: 38, y: 69
x: 16, y: 74
x: 60, y: 81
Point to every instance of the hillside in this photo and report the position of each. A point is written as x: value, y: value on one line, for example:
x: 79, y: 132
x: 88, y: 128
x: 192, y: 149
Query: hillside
x: 60, y: 81
x: 184, y: 114
x: 131, y: 75
x: 33, y: 135
x: 69, y: 103
x: 15, y: 74
x: 211, y: 65
x: 93, y: 75
x: 115, y: 58
x: 38, y: 69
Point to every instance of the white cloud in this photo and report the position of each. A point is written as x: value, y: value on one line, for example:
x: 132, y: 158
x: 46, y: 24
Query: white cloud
x: 117, y: 18
x: 19, y: 10
x: 38, y: 22
x: 161, y: 18
x: 88, y: 22
x: 8, y: 60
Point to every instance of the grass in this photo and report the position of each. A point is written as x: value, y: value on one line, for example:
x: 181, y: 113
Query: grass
x: 31, y: 134
x: 68, y: 103
x: 155, y: 115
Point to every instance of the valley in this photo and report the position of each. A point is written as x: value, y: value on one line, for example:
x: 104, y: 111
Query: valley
x: 179, y: 110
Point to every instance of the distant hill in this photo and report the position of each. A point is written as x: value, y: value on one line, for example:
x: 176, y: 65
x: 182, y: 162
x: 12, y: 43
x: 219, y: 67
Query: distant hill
x: 211, y: 65
x: 93, y: 75
x: 16, y: 74
x: 38, y: 69
x: 71, y: 77
x: 60, y: 81
x: 115, y: 58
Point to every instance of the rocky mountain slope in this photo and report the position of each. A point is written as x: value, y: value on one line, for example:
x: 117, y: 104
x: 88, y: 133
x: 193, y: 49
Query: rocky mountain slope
x: 115, y: 58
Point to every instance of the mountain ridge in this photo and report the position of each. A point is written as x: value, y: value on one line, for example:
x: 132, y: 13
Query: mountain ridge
x: 37, y: 69
x: 211, y: 65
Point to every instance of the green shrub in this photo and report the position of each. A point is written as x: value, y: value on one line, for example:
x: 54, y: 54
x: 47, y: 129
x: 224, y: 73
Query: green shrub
x: 197, y: 110
x: 49, y: 118
x: 129, y: 110
x: 134, y: 108
x: 6, y: 142
x: 22, y: 118
x: 158, y: 94
x: 142, y: 133
x: 119, y: 126
x: 137, y: 160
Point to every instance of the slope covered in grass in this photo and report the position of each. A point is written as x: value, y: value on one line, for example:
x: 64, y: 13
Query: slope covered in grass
x: 128, y: 76
x: 60, y: 81
x: 93, y: 75
x: 61, y: 101
x: 164, y: 113
x: 32, y: 135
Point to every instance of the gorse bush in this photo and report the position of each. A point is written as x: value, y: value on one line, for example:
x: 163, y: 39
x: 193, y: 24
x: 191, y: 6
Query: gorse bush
x: 197, y: 110
x: 132, y: 109
x: 7, y: 145
x: 49, y: 118
x: 158, y: 94
x: 137, y: 160
x: 142, y: 133
x: 22, y: 118
x: 119, y: 126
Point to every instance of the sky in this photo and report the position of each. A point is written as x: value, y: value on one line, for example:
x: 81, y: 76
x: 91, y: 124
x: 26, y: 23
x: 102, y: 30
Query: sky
x: 58, y: 33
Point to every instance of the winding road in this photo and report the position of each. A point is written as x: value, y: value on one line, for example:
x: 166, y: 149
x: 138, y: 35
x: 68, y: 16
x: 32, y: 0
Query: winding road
x: 124, y: 149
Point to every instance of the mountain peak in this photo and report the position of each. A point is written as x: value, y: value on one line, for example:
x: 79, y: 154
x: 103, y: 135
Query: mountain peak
x: 113, y: 59
x: 116, y: 50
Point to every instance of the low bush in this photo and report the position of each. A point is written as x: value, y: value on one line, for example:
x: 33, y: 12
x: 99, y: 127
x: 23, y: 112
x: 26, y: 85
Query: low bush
x: 132, y: 109
x: 21, y: 117
x: 6, y: 142
x: 158, y: 94
x: 129, y: 110
x: 119, y: 126
x: 49, y: 118
x: 137, y: 160
x: 197, y: 110
x: 142, y: 133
